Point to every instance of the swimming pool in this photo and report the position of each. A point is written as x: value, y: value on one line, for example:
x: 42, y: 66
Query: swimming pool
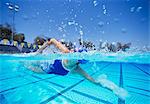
x: 21, y: 86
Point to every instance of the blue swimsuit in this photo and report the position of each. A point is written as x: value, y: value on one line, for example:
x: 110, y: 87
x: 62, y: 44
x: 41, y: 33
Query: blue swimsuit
x: 54, y: 68
x: 57, y: 67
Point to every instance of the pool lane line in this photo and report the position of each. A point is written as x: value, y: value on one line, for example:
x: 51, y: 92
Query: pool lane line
x: 137, y: 79
x: 11, y: 77
x: 25, y: 84
x: 138, y: 88
x: 141, y: 69
x: 33, y: 75
x: 70, y: 87
x: 120, y: 101
x: 121, y: 76
x: 49, y: 82
x: 91, y: 97
x: 140, y: 94
x: 56, y: 85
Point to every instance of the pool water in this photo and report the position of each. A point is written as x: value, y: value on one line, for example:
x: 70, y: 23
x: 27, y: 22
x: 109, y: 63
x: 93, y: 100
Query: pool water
x: 21, y: 86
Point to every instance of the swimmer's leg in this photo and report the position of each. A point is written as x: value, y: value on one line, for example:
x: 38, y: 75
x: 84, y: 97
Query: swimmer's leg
x: 104, y: 82
x: 35, y: 68
x: 80, y: 71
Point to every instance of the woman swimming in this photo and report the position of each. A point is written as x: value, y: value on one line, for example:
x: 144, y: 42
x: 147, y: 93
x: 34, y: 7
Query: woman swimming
x: 63, y: 67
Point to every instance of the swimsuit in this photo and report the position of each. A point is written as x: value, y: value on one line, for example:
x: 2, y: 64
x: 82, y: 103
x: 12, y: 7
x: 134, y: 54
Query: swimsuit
x: 54, y: 68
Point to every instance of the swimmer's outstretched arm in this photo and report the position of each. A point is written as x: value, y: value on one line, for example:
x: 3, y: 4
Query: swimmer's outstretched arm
x: 53, y: 41
x: 40, y: 50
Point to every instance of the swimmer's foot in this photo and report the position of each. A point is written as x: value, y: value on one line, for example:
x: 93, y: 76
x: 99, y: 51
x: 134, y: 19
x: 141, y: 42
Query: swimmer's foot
x: 102, y: 76
x: 120, y: 92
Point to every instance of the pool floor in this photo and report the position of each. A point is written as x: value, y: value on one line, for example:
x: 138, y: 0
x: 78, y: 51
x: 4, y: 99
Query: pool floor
x: 21, y: 86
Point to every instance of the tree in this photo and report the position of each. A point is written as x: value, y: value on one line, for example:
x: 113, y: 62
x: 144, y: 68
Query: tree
x: 20, y: 37
x: 39, y: 40
x: 5, y: 32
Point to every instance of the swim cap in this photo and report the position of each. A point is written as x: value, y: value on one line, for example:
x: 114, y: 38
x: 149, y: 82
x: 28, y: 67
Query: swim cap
x: 48, y: 39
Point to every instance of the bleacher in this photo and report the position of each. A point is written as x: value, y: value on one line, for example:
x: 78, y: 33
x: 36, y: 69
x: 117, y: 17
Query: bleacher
x: 14, y: 47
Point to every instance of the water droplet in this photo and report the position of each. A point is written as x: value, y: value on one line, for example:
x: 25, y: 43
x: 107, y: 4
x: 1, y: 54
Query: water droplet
x: 132, y: 9
x: 76, y: 24
x: 37, y: 13
x: 138, y: 9
x: 91, y: 19
x: 71, y: 22
x: 10, y: 7
x: 104, y: 6
x: 116, y: 19
x: 101, y: 24
x: 123, y: 30
x: 7, y: 3
x: 102, y: 32
x: 64, y: 35
x: 25, y: 17
x: 105, y: 11
x: 143, y: 19
x: 81, y: 32
x: 107, y: 23
x: 81, y: 26
x: 47, y: 10
x: 75, y: 15
x: 95, y: 3
x: 50, y: 20
x: 60, y: 29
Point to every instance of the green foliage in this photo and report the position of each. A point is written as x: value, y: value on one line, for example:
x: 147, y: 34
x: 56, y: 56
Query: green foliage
x: 39, y: 40
x: 20, y: 37
x: 5, y: 32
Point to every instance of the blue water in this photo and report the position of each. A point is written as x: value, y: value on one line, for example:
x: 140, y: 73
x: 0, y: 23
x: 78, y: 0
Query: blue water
x: 128, y: 70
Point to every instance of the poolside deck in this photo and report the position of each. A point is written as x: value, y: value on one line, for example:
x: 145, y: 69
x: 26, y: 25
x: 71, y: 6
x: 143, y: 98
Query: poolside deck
x: 20, y: 86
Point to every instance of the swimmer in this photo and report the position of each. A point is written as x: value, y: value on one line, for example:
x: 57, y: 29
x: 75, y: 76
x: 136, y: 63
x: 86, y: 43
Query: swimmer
x: 63, y: 67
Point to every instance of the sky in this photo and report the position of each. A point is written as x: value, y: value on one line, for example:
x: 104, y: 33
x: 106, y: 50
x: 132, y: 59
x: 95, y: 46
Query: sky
x: 106, y: 20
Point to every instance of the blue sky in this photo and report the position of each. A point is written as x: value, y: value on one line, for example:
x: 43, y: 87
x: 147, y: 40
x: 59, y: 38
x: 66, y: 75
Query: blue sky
x: 106, y: 20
